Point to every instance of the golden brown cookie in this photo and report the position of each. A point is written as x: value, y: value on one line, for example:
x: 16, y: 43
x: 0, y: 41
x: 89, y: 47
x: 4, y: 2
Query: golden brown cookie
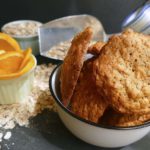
x: 86, y: 102
x: 96, y: 48
x: 122, y: 72
x: 113, y: 118
x: 73, y: 63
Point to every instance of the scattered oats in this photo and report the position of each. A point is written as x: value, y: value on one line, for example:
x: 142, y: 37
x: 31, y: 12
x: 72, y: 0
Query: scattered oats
x: 1, y: 135
x: 7, y: 135
x: 38, y: 100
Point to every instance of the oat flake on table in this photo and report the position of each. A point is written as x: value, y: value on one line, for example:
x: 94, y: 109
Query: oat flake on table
x: 39, y: 99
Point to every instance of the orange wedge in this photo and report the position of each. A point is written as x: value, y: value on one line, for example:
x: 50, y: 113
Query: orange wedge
x: 26, y: 68
x: 2, y: 52
x: 10, y: 62
x: 27, y: 54
x: 10, y: 54
x: 13, y: 61
x: 7, y: 43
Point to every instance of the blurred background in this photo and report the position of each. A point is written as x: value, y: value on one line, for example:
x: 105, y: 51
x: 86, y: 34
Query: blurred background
x: 110, y: 12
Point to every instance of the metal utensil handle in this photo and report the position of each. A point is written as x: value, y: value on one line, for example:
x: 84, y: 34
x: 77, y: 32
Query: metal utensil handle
x: 139, y: 20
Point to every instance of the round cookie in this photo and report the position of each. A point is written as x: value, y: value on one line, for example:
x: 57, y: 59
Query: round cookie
x: 122, y: 72
x: 73, y: 63
x: 86, y: 101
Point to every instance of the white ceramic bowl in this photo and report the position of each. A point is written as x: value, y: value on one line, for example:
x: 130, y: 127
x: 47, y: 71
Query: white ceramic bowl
x: 92, y: 133
x: 17, y: 89
x: 25, y: 42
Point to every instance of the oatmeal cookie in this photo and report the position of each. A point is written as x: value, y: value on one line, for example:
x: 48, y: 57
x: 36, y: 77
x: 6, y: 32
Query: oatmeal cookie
x: 122, y: 72
x: 73, y: 63
x: 96, y: 48
x: 86, y: 102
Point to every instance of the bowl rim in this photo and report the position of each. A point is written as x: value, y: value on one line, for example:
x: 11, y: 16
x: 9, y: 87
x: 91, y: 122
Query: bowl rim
x: 20, y: 36
x: 146, y: 124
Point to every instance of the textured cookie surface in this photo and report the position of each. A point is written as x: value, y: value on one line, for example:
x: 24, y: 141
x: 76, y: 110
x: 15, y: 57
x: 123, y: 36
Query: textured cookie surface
x: 86, y: 102
x: 96, y: 48
x: 113, y: 118
x: 73, y: 63
x: 122, y: 72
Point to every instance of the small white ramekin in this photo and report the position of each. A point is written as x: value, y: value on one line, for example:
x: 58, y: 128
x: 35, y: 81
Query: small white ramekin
x: 92, y: 133
x: 17, y: 89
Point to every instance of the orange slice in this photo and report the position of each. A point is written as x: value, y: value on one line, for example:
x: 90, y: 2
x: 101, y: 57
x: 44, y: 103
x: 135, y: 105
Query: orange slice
x: 2, y: 52
x: 26, y: 68
x: 10, y: 62
x: 8, y: 43
x: 27, y: 54
x: 5, y: 55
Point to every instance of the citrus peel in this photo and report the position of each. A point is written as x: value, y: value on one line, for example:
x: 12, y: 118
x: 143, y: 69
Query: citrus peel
x: 27, y: 53
x: 27, y: 67
x: 14, y: 62
x: 7, y: 43
x: 2, y: 52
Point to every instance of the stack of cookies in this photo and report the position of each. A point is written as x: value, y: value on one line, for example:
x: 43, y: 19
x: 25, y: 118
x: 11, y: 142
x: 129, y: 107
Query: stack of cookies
x: 112, y: 87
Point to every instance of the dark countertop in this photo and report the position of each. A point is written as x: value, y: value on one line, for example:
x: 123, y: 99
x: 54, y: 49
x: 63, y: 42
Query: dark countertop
x: 46, y: 132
